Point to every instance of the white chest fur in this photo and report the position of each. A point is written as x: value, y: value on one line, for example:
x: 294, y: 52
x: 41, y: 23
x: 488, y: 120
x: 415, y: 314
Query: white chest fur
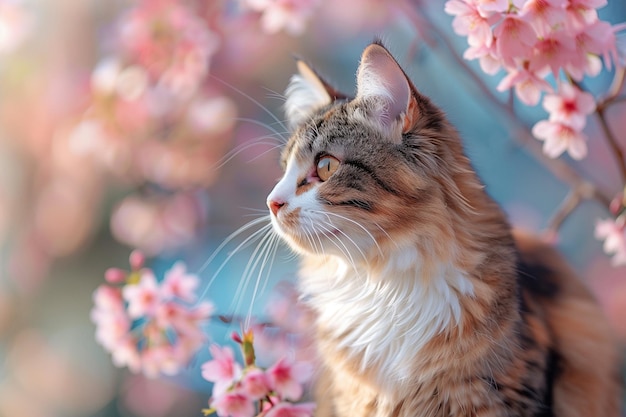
x: 385, y: 318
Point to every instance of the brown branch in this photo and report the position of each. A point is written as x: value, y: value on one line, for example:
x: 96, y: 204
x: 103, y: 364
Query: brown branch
x: 525, y: 140
x: 571, y: 201
x: 612, y: 141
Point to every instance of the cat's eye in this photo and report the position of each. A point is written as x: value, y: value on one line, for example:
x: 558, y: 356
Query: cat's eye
x: 326, y: 166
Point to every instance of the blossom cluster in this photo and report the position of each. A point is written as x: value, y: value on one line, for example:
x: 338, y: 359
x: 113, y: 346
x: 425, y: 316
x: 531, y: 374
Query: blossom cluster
x: 532, y: 39
x: 147, y: 326
x: 613, y: 231
x: 250, y: 390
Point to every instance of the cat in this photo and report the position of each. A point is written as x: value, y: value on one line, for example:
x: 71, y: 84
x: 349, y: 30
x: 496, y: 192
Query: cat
x: 427, y: 303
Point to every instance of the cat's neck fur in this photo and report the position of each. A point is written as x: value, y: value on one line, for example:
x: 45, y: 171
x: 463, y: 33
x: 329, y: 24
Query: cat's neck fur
x: 382, y: 314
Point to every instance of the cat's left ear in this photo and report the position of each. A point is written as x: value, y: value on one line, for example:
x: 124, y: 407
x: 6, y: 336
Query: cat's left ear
x: 306, y: 92
x: 389, y: 94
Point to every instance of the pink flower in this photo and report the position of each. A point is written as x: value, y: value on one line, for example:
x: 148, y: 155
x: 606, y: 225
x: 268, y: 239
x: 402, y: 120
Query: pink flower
x: 290, y: 15
x: 559, y: 137
x: 544, y: 15
x: 528, y: 84
x: 291, y: 410
x: 256, y: 384
x: 179, y: 284
x: 222, y: 370
x: 570, y: 106
x: 515, y: 39
x: 287, y: 378
x: 487, y: 57
x: 143, y: 298
x: 170, y: 41
x: 488, y: 7
x: 613, y: 232
x: 233, y: 404
x: 468, y: 21
x: 554, y: 51
x: 144, y: 330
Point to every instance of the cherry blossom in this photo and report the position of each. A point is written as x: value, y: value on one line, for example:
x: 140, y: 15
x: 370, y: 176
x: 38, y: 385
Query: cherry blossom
x: 570, y: 106
x: 145, y: 327
x: 528, y: 85
x: 468, y: 21
x: 559, y: 137
x: 613, y: 232
x: 515, y: 39
x: 233, y: 404
x: 256, y: 384
x: 290, y: 15
x: 252, y: 389
x: 143, y: 297
x: 15, y: 25
x: 179, y: 284
x: 291, y: 410
x: 222, y: 370
x: 287, y: 378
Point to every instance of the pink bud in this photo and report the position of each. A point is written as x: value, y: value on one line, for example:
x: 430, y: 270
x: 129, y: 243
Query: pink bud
x: 235, y: 336
x: 115, y: 276
x: 137, y: 260
x: 617, y: 204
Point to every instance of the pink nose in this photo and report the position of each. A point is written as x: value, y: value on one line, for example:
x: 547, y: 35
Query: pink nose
x: 275, y: 206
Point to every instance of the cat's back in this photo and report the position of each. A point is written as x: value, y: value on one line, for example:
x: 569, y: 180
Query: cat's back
x: 567, y: 326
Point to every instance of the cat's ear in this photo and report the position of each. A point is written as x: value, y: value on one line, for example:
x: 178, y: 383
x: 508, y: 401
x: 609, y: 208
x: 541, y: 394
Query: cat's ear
x: 306, y: 92
x: 387, y: 90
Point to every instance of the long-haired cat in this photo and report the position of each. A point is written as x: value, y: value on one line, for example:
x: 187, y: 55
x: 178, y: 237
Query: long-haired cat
x: 427, y: 303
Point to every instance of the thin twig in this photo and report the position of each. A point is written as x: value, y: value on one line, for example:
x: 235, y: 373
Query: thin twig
x: 571, y: 201
x: 612, y: 141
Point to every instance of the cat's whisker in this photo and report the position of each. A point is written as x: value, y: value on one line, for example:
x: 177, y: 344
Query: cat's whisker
x: 252, y: 99
x: 233, y: 153
x: 359, y: 225
x: 277, y: 134
x: 254, y: 236
x: 345, y: 250
x: 229, y: 238
x: 253, y: 262
x: 269, y: 251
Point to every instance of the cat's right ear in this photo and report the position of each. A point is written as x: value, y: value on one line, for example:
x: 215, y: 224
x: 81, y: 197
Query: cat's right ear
x: 306, y: 92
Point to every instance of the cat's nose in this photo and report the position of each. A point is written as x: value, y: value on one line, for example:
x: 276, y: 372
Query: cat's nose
x: 275, y: 205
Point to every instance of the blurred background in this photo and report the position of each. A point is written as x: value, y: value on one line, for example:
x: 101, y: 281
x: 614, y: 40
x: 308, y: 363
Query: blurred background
x: 156, y: 125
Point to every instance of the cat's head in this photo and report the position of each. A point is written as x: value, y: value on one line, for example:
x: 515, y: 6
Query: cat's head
x: 370, y: 174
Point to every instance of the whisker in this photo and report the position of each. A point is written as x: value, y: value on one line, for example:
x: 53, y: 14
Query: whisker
x: 241, y: 148
x: 247, y: 272
x: 254, y: 236
x: 358, y: 224
x: 267, y: 256
x: 253, y: 100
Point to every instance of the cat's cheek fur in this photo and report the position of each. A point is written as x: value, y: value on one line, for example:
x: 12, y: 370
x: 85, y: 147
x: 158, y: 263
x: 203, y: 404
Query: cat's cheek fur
x: 288, y: 221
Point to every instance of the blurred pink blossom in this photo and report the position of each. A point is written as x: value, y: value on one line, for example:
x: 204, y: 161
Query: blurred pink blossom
x: 179, y: 284
x: 222, y: 370
x: 233, y: 404
x: 146, y: 328
x: 515, y: 39
x: 528, y: 84
x: 256, y: 384
x: 559, y: 137
x: 289, y: 15
x: 15, y: 24
x: 291, y: 410
x: 142, y: 297
x: 170, y: 41
x: 287, y: 378
x: 613, y: 232
x: 468, y: 21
